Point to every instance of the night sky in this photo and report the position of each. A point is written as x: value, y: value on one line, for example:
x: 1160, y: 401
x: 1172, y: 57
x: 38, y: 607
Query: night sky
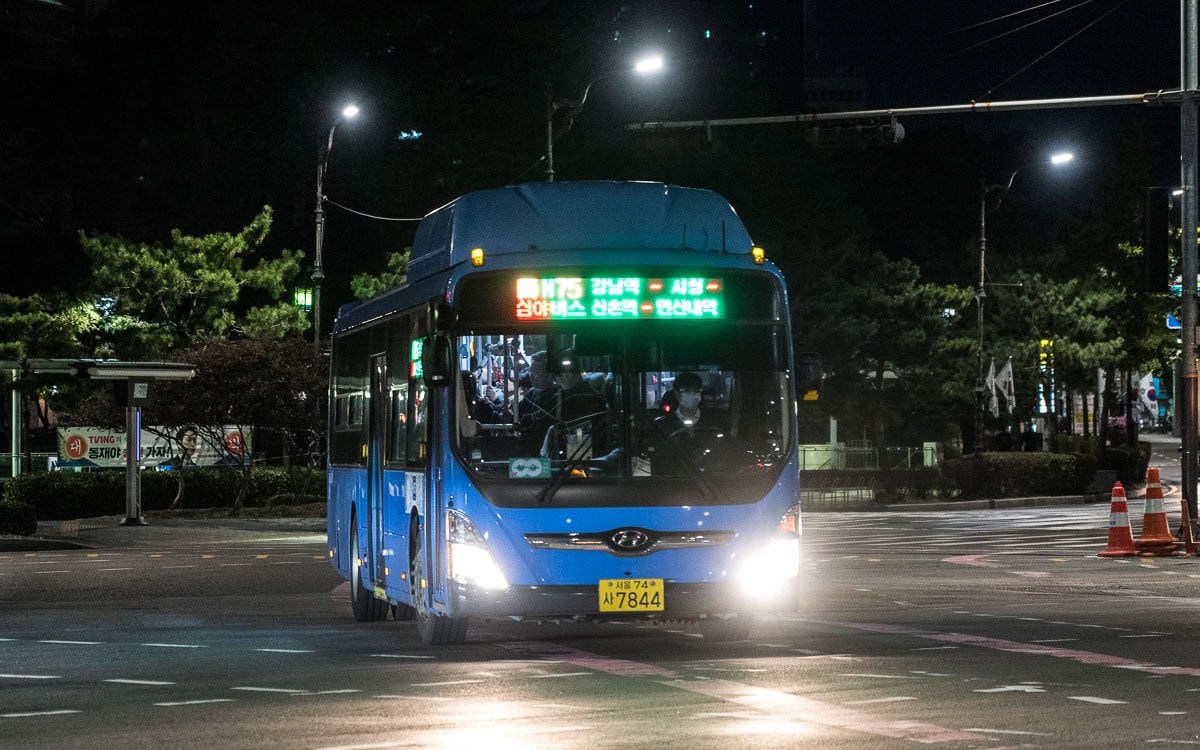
x: 160, y: 115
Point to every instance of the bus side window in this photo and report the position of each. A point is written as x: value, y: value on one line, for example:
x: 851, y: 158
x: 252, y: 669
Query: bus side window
x: 418, y: 400
x: 399, y: 423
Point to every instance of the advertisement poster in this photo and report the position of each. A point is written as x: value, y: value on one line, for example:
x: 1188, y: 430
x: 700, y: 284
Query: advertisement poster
x: 162, y: 447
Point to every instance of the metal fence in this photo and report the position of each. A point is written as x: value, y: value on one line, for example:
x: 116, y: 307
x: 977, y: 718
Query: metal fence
x: 861, y: 455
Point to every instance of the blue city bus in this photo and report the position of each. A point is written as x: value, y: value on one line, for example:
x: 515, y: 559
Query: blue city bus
x: 508, y: 439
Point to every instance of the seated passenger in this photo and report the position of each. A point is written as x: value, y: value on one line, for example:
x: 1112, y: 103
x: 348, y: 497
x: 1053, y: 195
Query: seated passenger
x: 580, y: 417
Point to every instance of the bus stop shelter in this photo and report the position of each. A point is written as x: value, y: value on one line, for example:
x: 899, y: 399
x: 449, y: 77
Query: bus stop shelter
x: 134, y: 383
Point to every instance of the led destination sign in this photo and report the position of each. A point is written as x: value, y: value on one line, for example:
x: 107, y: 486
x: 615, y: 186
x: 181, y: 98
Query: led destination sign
x: 575, y: 298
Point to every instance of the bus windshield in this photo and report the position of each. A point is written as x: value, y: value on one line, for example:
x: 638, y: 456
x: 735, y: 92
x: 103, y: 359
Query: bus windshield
x: 667, y: 400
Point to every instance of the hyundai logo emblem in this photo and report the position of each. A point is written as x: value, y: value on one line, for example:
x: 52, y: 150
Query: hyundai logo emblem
x: 629, y: 540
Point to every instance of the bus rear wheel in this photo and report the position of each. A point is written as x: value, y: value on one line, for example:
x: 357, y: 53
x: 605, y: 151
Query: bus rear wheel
x: 435, y: 629
x: 731, y: 628
x: 364, y: 604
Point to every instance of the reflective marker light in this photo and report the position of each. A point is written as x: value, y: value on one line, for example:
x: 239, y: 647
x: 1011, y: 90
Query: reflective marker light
x: 758, y: 254
x: 477, y: 256
x: 604, y: 298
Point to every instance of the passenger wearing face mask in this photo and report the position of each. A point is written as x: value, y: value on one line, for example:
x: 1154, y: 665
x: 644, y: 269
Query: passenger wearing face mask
x: 682, y: 403
x: 679, y: 426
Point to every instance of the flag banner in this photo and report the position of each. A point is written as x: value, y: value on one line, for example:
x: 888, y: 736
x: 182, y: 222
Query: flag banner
x: 993, y: 404
x: 1004, y: 381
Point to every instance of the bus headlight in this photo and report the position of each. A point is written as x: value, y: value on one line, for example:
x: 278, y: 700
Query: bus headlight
x: 470, y: 560
x: 777, y: 562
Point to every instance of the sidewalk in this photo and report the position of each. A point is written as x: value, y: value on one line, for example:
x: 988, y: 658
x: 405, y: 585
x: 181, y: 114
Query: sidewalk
x: 107, y: 532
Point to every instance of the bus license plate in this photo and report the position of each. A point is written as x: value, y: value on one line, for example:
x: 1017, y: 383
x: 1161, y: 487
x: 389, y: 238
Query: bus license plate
x: 631, y: 595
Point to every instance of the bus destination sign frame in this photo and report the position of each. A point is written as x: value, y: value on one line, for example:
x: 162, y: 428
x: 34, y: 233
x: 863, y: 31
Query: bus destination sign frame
x: 619, y: 298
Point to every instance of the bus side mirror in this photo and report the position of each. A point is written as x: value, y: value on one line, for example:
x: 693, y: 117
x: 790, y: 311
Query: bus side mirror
x: 810, y: 376
x: 437, y: 361
x: 438, y: 315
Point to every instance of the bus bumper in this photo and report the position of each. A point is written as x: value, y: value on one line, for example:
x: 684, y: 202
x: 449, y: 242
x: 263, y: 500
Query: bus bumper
x: 681, y: 601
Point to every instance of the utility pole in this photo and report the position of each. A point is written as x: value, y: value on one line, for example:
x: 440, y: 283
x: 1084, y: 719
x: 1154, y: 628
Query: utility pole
x: 1189, y: 151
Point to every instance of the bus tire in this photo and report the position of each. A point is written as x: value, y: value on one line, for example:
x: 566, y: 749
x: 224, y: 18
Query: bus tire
x: 435, y: 629
x: 731, y: 628
x: 404, y: 612
x: 364, y: 604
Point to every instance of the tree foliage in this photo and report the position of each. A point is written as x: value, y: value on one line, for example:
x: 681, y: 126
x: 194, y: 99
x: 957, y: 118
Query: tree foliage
x: 367, y: 285
x: 156, y: 297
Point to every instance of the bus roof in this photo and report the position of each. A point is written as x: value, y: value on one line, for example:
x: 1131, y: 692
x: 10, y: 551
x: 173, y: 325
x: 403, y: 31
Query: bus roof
x: 541, y: 216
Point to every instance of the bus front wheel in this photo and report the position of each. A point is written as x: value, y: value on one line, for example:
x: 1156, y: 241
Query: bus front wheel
x: 364, y: 604
x: 435, y: 629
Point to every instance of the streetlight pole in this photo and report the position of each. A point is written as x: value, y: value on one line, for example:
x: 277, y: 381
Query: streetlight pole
x: 981, y: 290
x: 1188, y: 396
x: 318, y: 274
x: 646, y: 65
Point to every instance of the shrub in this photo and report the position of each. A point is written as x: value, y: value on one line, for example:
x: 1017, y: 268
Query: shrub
x: 1009, y: 474
x: 17, y: 518
x: 66, y: 495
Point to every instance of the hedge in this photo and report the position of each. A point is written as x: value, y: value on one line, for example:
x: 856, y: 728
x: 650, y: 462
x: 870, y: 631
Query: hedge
x: 17, y: 518
x: 1013, y: 474
x: 68, y: 495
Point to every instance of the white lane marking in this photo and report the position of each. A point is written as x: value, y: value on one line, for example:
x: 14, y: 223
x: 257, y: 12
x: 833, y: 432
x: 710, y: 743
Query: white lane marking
x: 448, y: 682
x: 816, y: 712
x: 138, y: 682
x: 564, y: 674
x: 434, y: 698
x: 39, y: 713
x: 1093, y: 699
x: 177, y: 567
x: 194, y: 703
x: 1007, y: 731
x: 410, y: 742
x: 173, y: 645
x: 1011, y: 689
x: 284, y: 650
x: 269, y: 690
x: 401, y: 656
x: 881, y: 700
x: 31, y: 676
x: 880, y: 676
x: 75, y: 643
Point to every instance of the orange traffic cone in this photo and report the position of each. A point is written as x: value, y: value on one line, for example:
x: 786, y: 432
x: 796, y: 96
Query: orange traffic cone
x: 1156, y: 539
x: 1120, y: 536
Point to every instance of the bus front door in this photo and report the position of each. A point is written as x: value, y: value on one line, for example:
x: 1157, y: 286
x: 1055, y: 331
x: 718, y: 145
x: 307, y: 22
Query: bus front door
x: 377, y: 433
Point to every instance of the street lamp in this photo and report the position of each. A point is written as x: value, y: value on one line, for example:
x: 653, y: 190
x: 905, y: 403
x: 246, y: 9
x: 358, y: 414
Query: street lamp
x: 573, y: 107
x: 318, y: 274
x: 1001, y: 190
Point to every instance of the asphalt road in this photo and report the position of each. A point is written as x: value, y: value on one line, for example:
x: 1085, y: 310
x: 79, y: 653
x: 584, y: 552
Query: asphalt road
x: 971, y: 629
